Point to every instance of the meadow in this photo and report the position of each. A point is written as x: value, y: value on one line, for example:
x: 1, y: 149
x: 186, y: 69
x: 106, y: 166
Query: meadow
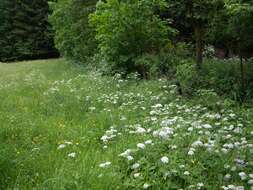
x: 62, y: 127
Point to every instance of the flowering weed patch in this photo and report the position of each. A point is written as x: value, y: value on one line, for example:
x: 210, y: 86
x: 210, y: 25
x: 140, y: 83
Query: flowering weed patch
x: 63, y: 128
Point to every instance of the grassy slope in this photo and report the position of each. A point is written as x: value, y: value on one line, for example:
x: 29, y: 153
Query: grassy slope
x: 48, y: 103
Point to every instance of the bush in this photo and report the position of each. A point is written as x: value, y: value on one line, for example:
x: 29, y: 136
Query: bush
x: 222, y: 76
x: 74, y: 37
x: 208, y: 98
x: 126, y: 31
x: 187, y: 77
x: 164, y: 63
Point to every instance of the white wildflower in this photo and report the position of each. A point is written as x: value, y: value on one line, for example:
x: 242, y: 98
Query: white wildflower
x: 72, y: 155
x: 135, y: 166
x: 233, y: 168
x: 105, y: 164
x: 231, y: 186
x: 140, y: 130
x: 168, y: 122
x: 157, y: 106
x: 141, y: 145
x: 243, y: 175
x: 207, y: 126
x: 146, y: 185
x: 126, y: 153
x: 191, y: 151
x: 239, y: 188
x: 148, y: 142
x: 92, y: 108
x: 227, y: 177
x: 165, y: 160
x: 197, y: 143
x: 153, y: 112
x: 68, y: 142
x: 61, y: 146
x: 224, y: 150
x: 163, y: 133
x: 200, y: 185
x: 130, y: 158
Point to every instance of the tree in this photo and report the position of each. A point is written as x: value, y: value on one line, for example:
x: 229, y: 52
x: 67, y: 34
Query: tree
x: 241, y: 29
x: 6, y: 37
x: 74, y: 37
x: 195, y: 13
x: 25, y: 32
x: 127, y: 30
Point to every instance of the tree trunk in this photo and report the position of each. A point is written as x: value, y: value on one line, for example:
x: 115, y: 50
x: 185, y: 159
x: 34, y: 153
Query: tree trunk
x: 143, y: 73
x: 199, y: 45
x: 242, y: 78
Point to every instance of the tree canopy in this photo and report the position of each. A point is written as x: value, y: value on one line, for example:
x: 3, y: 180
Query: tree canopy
x: 25, y: 32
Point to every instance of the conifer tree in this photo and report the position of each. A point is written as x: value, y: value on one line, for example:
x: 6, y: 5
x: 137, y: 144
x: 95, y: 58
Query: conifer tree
x: 25, y: 32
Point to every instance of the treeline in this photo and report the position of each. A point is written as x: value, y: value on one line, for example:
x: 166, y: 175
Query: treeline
x: 222, y: 23
x: 25, y: 32
x: 174, y: 38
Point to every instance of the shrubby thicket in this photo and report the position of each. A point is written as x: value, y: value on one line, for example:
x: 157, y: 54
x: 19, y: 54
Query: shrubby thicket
x: 177, y: 39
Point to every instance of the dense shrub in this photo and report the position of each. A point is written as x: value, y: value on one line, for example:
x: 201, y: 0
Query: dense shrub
x: 222, y: 76
x: 164, y: 63
x: 126, y: 31
x: 74, y: 37
x: 187, y: 76
x: 225, y: 78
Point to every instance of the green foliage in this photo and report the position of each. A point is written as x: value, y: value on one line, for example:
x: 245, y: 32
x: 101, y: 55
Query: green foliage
x: 24, y: 30
x: 240, y: 23
x: 231, y: 27
x: 209, y: 98
x: 194, y: 11
x: 221, y: 76
x: 50, y: 109
x: 126, y: 30
x: 7, y: 165
x: 187, y: 77
x: 5, y: 37
x: 224, y: 78
x: 194, y: 14
x: 164, y: 63
x: 74, y: 37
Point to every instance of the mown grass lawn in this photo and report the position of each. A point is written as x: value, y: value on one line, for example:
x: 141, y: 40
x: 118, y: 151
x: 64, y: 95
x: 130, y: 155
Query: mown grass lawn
x: 62, y: 127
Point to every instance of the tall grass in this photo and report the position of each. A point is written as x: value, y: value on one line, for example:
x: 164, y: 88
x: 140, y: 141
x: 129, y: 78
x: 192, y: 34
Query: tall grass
x: 53, y: 115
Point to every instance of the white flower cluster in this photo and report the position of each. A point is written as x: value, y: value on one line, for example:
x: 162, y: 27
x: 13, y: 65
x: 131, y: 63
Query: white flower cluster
x: 109, y: 134
x: 105, y: 164
x: 164, y: 133
x: 127, y: 155
x: 165, y: 125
